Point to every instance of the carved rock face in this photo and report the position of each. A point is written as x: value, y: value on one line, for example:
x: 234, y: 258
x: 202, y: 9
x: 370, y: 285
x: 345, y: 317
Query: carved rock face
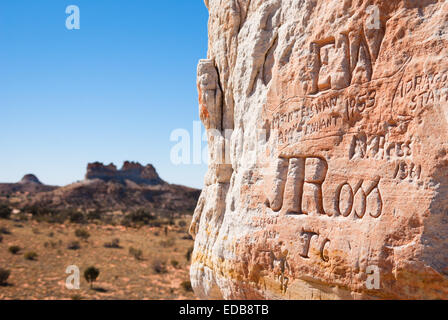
x: 339, y: 153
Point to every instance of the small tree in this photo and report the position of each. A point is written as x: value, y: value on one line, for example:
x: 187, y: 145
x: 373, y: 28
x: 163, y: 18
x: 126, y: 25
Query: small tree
x: 91, y: 274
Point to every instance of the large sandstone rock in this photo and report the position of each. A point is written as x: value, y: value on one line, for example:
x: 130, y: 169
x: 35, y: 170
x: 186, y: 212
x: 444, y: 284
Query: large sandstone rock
x: 337, y: 163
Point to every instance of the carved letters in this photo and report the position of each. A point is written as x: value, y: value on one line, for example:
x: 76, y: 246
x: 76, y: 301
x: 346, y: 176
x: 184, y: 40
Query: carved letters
x: 358, y: 200
x: 420, y: 91
x: 307, y: 236
x: 297, y: 190
x: 337, y: 62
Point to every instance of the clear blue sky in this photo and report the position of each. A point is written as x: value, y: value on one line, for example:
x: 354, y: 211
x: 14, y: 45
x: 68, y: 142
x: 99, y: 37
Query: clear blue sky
x: 112, y: 91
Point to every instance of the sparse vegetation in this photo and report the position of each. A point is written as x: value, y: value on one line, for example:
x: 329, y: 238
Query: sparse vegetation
x: 159, y: 266
x: 95, y: 215
x: 114, y: 244
x: 82, y: 234
x: 31, y: 255
x: 91, y: 274
x: 4, y: 230
x: 140, y: 216
x: 14, y: 249
x: 136, y: 253
x: 73, y: 245
x: 76, y: 217
x: 5, y: 211
x: 118, y: 282
x: 52, y: 244
x: 188, y: 254
x: 167, y: 243
x: 186, y: 285
x: 4, y: 275
x: 175, y: 263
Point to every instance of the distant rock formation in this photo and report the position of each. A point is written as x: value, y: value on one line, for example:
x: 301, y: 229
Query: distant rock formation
x: 30, y: 178
x: 334, y: 117
x: 132, y: 171
x: 29, y: 184
x: 108, y: 189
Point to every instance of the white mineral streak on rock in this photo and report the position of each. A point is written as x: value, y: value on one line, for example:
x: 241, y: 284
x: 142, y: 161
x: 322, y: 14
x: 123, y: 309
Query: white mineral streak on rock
x: 353, y: 172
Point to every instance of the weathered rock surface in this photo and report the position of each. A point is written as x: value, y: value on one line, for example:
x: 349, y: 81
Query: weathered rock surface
x: 337, y: 165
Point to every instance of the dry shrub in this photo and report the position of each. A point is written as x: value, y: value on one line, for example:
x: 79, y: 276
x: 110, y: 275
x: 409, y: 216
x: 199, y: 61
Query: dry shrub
x: 14, y: 249
x: 114, y: 244
x: 73, y: 245
x: 136, y: 253
x: 31, y: 255
x: 167, y: 243
x: 4, y: 275
x: 159, y: 266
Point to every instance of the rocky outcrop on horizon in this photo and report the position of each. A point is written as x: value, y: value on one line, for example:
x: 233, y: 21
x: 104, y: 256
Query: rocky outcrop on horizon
x: 107, y: 189
x: 30, y: 178
x: 333, y: 183
x: 29, y: 184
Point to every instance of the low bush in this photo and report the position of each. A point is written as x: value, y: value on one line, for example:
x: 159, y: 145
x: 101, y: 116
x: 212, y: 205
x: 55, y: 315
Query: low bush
x: 94, y: 215
x: 138, y: 217
x: 159, y: 266
x: 188, y: 254
x: 186, y: 285
x: 73, y: 245
x: 82, y: 234
x: 187, y: 237
x: 5, y: 211
x: 114, y: 244
x: 4, y: 275
x: 167, y: 243
x: 31, y: 255
x: 175, y: 263
x: 4, y: 230
x: 51, y: 244
x: 136, y: 253
x: 76, y: 216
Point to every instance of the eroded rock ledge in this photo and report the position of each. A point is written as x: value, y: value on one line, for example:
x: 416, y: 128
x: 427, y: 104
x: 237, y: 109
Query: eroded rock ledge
x: 337, y: 155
